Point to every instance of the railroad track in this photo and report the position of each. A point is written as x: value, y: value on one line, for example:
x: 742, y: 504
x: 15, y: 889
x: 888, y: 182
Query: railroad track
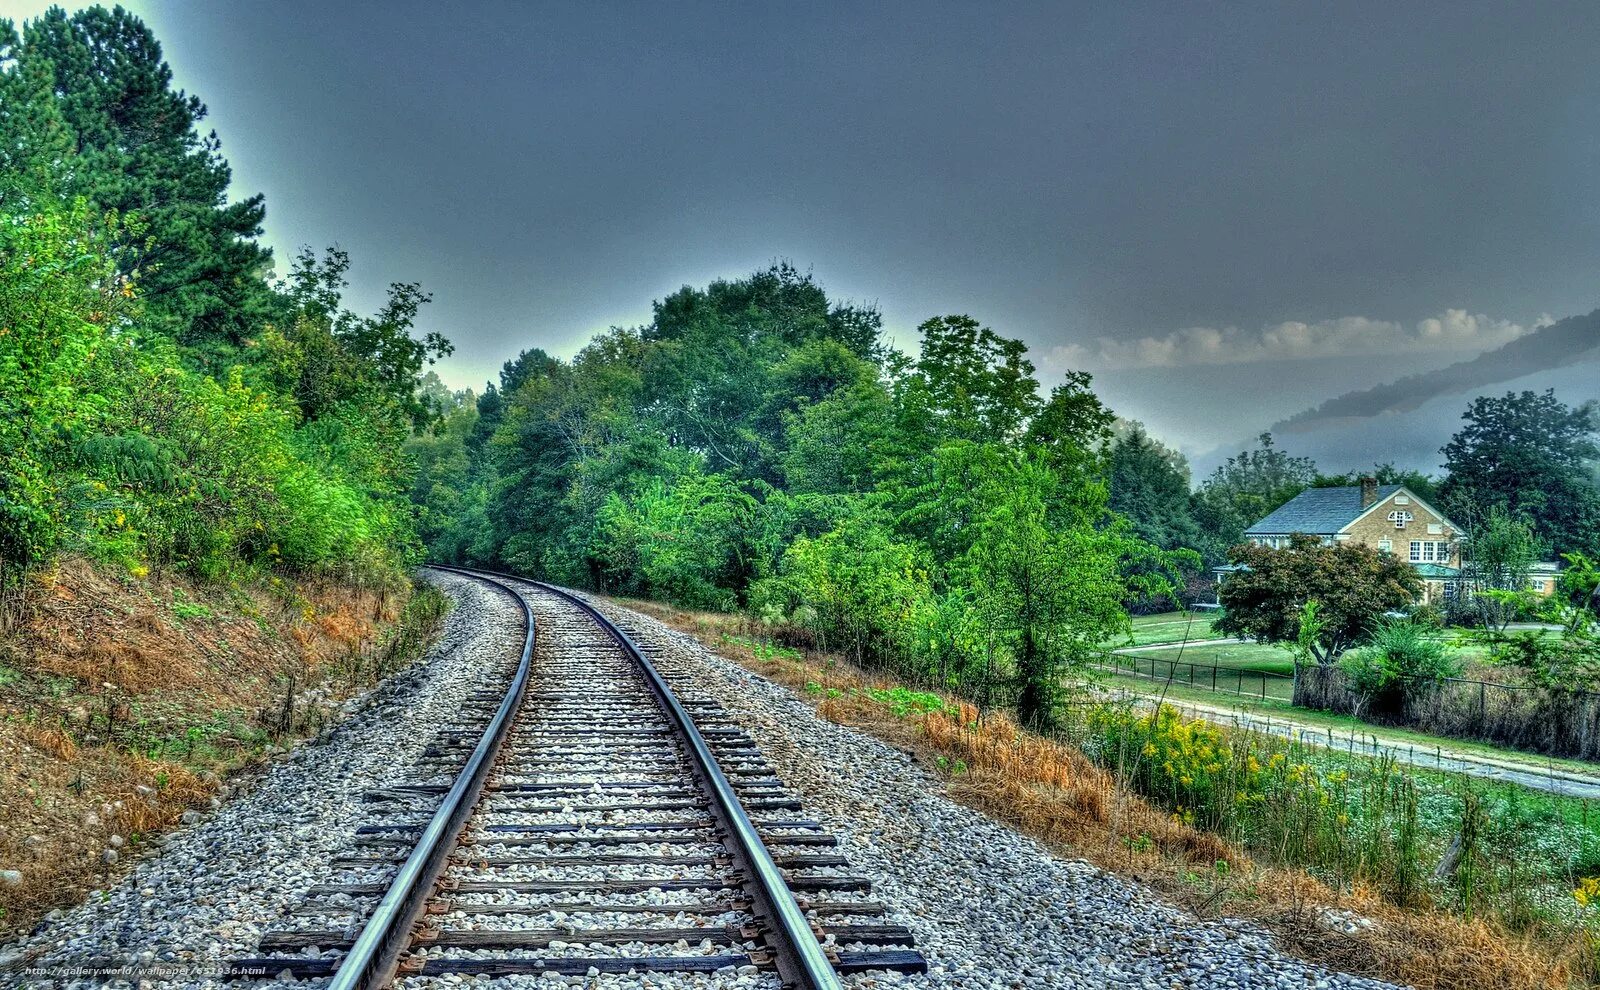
x: 584, y: 819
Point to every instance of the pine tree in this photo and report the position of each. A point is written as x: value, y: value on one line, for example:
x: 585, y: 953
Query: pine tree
x: 139, y: 152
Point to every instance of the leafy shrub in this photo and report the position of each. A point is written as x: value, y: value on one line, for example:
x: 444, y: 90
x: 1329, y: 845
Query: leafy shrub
x: 1398, y: 654
x: 116, y: 449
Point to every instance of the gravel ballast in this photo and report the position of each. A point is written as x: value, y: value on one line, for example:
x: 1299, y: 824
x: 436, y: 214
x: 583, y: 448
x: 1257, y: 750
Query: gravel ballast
x: 211, y: 889
x: 990, y: 908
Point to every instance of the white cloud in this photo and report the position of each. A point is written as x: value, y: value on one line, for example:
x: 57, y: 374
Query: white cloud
x: 1452, y: 330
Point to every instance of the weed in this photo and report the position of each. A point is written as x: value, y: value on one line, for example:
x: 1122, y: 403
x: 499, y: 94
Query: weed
x: 183, y: 608
x: 903, y: 702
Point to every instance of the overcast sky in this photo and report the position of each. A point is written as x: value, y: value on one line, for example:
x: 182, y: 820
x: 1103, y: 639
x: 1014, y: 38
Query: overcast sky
x: 1228, y: 212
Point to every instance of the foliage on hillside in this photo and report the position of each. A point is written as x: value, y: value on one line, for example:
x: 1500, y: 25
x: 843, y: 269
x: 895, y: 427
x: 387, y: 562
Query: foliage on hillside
x: 162, y: 403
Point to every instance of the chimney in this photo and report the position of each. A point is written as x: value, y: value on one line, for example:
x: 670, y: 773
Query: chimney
x: 1369, y: 492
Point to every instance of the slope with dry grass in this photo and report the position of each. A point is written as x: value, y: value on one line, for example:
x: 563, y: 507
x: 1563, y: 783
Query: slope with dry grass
x: 126, y: 704
x: 1055, y: 793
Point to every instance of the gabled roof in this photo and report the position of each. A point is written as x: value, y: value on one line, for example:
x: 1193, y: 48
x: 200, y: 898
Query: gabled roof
x: 1318, y: 511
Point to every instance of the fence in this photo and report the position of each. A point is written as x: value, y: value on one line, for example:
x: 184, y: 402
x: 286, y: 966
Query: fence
x: 1204, y: 676
x: 1542, y: 720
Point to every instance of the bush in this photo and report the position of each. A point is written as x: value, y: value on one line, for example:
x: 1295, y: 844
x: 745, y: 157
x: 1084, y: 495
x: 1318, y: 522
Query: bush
x: 114, y: 448
x: 1398, y: 653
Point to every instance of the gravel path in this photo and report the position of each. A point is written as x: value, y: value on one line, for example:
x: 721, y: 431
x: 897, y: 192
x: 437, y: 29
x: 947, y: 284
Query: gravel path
x: 991, y: 908
x: 212, y: 888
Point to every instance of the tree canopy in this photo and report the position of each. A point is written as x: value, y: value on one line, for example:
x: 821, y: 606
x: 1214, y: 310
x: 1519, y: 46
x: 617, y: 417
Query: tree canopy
x: 1533, y: 456
x: 163, y: 403
x: 757, y: 445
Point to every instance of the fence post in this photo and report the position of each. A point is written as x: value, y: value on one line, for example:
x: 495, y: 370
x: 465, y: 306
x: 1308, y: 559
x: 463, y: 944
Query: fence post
x: 1213, y: 677
x: 1263, y: 685
x: 1483, y: 705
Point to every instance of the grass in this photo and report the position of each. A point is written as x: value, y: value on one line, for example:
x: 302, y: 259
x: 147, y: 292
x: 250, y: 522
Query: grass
x: 124, y: 703
x: 1252, y: 657
x: 1178, y: 627
x: 1231, y: 687
x: 1169, y: 627
x: 1248, y: 825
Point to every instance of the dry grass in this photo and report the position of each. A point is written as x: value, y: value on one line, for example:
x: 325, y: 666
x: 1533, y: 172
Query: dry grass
x: 1054, y: 793
x: 124, y: 703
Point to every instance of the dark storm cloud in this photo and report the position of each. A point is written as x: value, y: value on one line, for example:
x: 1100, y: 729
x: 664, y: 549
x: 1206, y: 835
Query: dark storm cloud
x: 1064, y: 173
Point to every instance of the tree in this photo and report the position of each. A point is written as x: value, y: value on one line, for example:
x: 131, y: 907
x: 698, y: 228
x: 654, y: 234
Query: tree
x: 1073, y: 428
x: 1150, y: 487
x: 1351, y: 585
x: 1246, y: 488
x: 968, y: 383
x: 1048, y: 570
x: 1533, y: 456
x: 1495, y: 562
x: 139, y: 152
x: 36, y: 144
x: 1046, y: 594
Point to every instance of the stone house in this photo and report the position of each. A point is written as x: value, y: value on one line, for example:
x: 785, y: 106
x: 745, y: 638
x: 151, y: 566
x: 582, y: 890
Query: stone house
x: 1388, y: 518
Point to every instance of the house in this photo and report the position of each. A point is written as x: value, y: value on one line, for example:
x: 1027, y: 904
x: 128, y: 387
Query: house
x: 1388, y: 518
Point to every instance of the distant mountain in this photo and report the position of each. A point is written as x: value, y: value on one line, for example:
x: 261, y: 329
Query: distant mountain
x: 1571, y: 341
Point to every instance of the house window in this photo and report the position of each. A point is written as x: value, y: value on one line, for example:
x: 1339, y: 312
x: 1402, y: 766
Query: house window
x: 1430, y: 551
x: 1400, y: 517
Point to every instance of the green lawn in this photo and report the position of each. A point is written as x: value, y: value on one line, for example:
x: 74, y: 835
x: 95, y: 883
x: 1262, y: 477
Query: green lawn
x: 1179, y: 627
x: 1232, y: 655
x: 1246, y: 671
x: 1170, y: 627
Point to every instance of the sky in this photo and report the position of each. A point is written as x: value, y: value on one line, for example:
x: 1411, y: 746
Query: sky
x: 1228, y: 212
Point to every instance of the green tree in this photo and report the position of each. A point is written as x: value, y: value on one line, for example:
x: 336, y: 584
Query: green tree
x: 1496, y: 559
x: 1047, y: 594
x: 1352, y: 586
x: 1246, y: 488
x: 968, y: 383
x: 139, y: 151
x: 36, y: 145
x: 1533, y: 456
x: 1150, y: 487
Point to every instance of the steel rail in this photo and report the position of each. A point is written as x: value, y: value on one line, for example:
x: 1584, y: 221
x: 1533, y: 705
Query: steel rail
x: 798, y: 956
x: 375, y: 956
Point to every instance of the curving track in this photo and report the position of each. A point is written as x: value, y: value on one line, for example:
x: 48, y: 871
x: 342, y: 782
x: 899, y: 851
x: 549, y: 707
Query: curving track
x: 581, y: 820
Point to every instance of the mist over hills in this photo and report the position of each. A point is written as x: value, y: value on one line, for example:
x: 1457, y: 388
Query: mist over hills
x: 1408, y: 419
x: 1573, y: 340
